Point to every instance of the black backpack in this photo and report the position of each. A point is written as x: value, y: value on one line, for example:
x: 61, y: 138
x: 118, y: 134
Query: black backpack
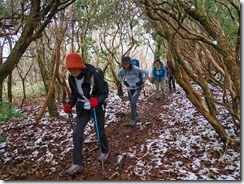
x: 100, y: 73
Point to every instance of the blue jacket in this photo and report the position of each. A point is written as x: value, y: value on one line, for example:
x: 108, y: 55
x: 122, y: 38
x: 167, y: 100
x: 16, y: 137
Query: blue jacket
x: 159, y: 74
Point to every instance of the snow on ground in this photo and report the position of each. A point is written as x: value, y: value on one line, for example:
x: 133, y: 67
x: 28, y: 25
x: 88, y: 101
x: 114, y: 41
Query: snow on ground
x: 188, y: 144
x: 194, y: 143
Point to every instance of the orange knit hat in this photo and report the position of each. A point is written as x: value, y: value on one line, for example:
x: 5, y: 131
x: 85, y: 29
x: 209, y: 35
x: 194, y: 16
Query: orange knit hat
x: 74, y: 60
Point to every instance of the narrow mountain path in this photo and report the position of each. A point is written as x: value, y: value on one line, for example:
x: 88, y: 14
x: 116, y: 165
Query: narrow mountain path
x: 124, y: 139
x: 171, y: 141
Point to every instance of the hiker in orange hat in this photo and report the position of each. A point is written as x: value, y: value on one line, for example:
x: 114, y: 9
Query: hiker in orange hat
x: 88, y: 93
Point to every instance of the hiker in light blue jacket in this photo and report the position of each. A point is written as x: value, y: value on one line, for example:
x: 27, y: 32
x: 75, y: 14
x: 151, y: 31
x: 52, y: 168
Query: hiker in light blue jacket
x: 133, y: 78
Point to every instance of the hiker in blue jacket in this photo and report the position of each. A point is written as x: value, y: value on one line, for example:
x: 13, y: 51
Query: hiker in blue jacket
x: 133, y: 78
x: 159, y: 73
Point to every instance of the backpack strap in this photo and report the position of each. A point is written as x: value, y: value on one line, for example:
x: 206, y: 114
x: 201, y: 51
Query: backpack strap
x: 135, y: 72
x: 90, y: 77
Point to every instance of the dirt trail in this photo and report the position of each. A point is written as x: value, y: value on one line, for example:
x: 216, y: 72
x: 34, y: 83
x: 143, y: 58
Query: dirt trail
x: 121, y: 140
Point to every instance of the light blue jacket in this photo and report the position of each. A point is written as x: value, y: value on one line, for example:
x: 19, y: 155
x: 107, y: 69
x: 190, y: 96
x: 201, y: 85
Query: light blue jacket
x: 132, y: 76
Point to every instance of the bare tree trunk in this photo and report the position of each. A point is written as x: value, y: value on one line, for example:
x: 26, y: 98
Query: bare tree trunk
x: 23, y: 82
x: 65, y: 86
x: 35, y: 22
x: 49, y: 96
x: 9, y: 82
x: 1, y: 83
x: 10, y: 87
x: 202, y: 57
x: 60, y: 30
x: 1, y: 92
x: 46, y: 68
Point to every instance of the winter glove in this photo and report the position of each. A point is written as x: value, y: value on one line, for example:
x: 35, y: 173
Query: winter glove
x: 126, y: 83
x: 139, y: 83
x: 67, y: 108
x: 93, y: 102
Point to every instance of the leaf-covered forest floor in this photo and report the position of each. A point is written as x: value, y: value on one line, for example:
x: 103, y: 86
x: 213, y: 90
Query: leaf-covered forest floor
x: 172, y: 141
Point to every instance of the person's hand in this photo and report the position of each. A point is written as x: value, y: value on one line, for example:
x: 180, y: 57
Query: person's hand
x: 139, y: 83
x: 67, y: 108
x: 126, y: 83
x: 93, y: 102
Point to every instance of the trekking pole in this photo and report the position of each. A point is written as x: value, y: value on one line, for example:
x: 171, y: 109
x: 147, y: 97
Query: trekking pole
x: 129, y: 93
x: 99, y: 140
x: 70, y: 116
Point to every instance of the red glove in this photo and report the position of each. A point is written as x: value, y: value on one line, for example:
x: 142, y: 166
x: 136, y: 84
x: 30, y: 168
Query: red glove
x: 93, y: 102
x: 67, y: 108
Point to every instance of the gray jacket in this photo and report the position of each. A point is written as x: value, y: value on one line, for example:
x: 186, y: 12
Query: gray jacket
x: 132, y: 75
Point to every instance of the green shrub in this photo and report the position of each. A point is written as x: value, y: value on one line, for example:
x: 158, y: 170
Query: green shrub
x: 7, y: 111
x: 1, y: 138
x: 31, y: 89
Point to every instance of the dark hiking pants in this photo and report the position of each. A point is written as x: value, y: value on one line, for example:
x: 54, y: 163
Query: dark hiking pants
x: 81, y: 122
x: 133, y: 96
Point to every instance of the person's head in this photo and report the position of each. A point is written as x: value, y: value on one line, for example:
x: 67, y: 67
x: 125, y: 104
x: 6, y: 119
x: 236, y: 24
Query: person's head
x: 157, y: 62
x: 75, y: 64
x: 126, y: 63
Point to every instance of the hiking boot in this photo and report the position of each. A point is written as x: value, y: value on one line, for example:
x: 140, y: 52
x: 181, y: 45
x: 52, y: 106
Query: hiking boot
x: 74, y: 169
x: 137, y: 120
x: 103, y: 157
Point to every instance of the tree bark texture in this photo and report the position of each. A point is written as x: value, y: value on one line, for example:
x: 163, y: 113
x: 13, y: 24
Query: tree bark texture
x: 38, y: 17
x: 60, y: 30
x: 204, y: 60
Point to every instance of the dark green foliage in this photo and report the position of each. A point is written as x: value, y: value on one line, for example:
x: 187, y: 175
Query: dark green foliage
x: 226, y: 14
x: 1, y: 138
x: 7, y: 111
